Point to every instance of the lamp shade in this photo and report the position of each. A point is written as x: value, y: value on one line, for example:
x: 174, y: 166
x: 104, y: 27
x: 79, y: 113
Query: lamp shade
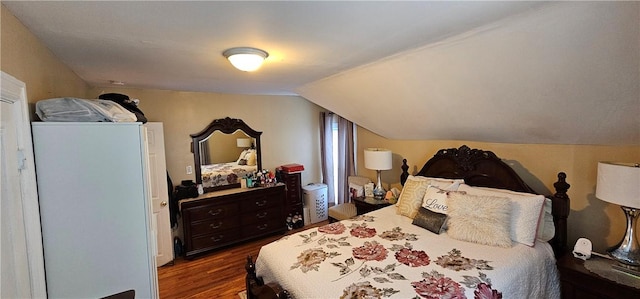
x: 243, y: 142
x: 378, y: 159
x: 246, y: 59
x: 619, y: 183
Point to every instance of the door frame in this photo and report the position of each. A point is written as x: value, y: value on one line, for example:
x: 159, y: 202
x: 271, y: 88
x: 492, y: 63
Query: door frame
x: 14, y: 91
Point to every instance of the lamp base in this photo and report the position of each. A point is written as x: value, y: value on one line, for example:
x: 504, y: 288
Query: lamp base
x: 627, y: 252
x: 378, y: 193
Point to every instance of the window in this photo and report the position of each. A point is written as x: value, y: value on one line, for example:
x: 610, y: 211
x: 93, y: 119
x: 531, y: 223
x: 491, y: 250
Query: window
x: 334, y: 153
x: 338, y: 138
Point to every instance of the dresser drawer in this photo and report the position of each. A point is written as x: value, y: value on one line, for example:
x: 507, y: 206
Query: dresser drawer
x: 213, y: 211
x: 214, y: 225
x: 215, y: 240
x: 261, y: 202
x: 227, y: 217
x: 293, y: 183
x: 263, y: 227
x: 262, y: 215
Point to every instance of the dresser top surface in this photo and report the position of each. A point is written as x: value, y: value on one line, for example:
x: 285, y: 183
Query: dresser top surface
x: 225, y: 192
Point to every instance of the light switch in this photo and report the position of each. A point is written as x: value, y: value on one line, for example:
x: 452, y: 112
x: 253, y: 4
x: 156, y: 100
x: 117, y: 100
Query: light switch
x: 189, y: 169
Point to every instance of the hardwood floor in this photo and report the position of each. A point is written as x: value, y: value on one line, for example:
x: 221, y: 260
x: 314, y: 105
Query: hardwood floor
x: 219, y: 274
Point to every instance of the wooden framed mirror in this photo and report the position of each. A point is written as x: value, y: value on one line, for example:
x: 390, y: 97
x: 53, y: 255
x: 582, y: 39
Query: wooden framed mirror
x: 224, y: 152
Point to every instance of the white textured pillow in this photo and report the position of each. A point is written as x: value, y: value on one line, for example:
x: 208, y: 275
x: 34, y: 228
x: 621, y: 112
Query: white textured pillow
x: 479, y: 219
x: 526, y: 211
x: 435, y: 200
x: 411, y: 197
x: 444, y: 184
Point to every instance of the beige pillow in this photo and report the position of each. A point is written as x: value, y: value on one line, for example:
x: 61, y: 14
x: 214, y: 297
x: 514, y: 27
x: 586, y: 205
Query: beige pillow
x: 479, y: 219
x: 251, y: 158
x: 411, y: 197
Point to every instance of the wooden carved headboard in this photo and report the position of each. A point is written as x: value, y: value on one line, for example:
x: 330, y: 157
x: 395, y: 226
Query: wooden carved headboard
x: 484, y: 169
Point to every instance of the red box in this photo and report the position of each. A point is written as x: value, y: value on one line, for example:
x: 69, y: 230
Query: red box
x: 291, y: 168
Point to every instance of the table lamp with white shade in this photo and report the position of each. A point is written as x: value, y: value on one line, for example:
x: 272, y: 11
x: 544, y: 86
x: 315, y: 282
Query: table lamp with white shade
x: 378, y: 159
x: 619, y: 183
x: 244, y: 142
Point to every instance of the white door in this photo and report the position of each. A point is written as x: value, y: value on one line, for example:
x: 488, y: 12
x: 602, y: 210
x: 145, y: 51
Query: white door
x: 21, y: 259
x: 159, y: 193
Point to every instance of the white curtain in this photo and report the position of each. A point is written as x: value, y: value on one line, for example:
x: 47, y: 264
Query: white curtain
x: 329, y: 123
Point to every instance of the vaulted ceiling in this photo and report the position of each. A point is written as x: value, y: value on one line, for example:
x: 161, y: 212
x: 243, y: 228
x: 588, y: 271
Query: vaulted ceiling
x: 513, y: 72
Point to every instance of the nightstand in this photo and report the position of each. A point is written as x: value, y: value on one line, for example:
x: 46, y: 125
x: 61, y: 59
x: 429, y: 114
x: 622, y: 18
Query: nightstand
x: 367, y: 204
x: 578, y: 282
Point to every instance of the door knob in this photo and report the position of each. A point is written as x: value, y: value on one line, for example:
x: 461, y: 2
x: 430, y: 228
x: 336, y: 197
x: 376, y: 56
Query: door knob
x: 164, y: 203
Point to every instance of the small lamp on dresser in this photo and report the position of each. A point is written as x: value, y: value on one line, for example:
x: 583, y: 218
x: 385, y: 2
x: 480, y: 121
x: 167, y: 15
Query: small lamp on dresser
x: 378, y: 159
x: 619, y: 183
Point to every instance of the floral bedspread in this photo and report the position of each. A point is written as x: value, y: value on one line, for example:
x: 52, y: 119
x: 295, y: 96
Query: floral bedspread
x: 381, y: 254
x: 220, y: 174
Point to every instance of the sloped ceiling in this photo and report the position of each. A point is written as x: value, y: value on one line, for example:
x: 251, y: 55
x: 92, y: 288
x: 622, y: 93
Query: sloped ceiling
x: 514, y: 72
x: 564, y: 74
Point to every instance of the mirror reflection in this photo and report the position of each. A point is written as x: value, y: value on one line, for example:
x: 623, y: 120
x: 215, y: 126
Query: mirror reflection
x: 225, y: 152
x: 224, y: 148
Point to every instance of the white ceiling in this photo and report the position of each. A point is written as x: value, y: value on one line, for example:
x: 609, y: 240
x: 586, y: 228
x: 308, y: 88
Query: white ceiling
x: 398, y: 59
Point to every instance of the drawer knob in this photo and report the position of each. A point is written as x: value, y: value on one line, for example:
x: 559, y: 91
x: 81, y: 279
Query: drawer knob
x: 261, y: 203
x: 218, y: 238
x: 262, y: 214
x: 262, y: 227
x: 214, y: 225
x: 216, y: 213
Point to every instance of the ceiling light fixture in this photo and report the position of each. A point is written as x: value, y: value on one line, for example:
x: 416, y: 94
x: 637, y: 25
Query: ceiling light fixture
x: 245, y: 58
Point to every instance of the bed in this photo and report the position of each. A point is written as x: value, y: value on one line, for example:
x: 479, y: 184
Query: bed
x: 229, y: 174
x: 222, y: 174
x: 499, y: 240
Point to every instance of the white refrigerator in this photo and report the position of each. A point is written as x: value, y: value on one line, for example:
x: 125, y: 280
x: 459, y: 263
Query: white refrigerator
x: 93, y: 189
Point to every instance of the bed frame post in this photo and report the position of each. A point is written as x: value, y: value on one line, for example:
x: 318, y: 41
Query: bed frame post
x: 251, y: 279
x: 405, y: 172
x: 257, y: 289
x: 561, y: 208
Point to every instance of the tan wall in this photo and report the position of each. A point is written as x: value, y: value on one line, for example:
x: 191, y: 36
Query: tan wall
x: 224, y: 148
x: 538, y: 164
x: 24, y: 57
x: 289, y: 125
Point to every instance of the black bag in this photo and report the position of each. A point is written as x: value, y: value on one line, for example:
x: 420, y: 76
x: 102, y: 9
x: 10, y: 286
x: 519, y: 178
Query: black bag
x: 126, y: 103
x: 186, y: 189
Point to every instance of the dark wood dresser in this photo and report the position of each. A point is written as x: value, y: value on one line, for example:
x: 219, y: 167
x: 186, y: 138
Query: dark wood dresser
x: 579, y: 283
x: 226, y: 217
x: 293, y: 183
